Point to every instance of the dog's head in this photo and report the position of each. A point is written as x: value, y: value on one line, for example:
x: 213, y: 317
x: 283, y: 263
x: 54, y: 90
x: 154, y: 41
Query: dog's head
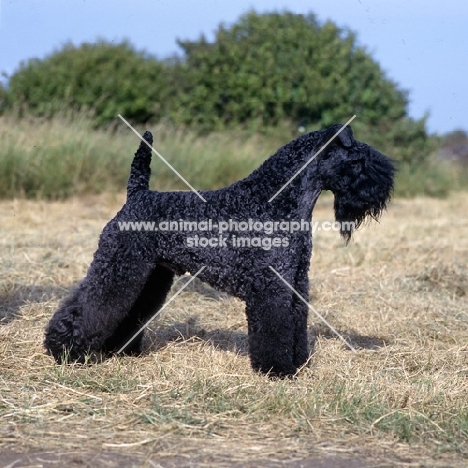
x: 360, y: 178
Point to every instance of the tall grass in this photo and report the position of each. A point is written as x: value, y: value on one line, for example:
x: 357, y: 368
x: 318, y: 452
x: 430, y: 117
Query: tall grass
x: 58, y: 158
x: 61, y: 157
x: 434, y: 177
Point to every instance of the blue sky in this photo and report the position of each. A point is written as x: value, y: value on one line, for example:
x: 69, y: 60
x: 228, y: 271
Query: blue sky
x: 420, y: 44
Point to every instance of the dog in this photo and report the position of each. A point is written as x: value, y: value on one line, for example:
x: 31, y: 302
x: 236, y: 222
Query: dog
x: 133, y: 269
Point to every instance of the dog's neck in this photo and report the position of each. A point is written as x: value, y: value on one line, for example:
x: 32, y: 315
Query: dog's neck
x: 290, y: 191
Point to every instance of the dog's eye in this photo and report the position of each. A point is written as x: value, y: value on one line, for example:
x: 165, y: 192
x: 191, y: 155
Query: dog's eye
x: 326, y: 155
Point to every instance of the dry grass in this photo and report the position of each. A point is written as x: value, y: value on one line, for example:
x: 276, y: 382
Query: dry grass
x: 399, y: 293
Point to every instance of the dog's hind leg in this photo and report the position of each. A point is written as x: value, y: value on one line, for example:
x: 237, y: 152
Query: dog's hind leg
x: 115, y: 281
x: 151, y: 299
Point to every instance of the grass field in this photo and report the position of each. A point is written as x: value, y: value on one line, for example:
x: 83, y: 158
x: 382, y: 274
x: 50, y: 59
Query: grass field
x: 398, y: 293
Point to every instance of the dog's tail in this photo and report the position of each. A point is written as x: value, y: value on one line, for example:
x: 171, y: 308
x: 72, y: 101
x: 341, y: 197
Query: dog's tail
x: 140, y: 171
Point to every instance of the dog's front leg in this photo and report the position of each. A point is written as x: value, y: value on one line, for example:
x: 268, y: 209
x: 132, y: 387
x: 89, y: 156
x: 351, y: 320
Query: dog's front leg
x: 271, y: 334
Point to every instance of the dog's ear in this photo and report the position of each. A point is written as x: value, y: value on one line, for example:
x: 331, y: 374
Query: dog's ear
x: 345, y: 137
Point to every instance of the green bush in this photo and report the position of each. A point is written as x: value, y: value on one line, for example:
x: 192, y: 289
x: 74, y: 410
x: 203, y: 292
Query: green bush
x: 105, y: 78
x: 265, y: 73
x: 270, y: 67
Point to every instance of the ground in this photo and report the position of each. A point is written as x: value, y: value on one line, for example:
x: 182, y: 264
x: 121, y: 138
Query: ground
x: 398, y: 293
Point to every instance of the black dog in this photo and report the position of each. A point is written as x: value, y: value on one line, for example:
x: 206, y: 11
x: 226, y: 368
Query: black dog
x: 133, y: 268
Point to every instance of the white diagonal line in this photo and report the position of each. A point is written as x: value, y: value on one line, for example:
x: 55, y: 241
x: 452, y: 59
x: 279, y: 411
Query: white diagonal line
x: 161, y: 309
x: 312, y: 158
x: 162, y: 159
x: 313, y: 310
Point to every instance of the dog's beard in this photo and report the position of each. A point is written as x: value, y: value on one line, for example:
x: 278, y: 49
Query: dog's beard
x: 351, y: 212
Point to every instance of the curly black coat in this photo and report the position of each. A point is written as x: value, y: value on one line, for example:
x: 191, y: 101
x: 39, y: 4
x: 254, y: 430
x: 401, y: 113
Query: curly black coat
x: 132, y: 271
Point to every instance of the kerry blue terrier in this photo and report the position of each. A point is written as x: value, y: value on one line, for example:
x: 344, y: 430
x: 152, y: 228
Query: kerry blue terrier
x: 159, y: 234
